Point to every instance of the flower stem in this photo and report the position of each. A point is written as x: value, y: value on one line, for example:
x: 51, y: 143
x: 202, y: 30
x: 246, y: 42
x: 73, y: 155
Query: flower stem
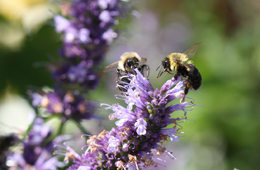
x: 59, y: 132
x: 82, y: 129
x: 60, y: 128
x: 29, y: 128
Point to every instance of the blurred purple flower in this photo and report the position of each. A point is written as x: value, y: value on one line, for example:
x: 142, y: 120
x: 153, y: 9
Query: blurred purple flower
x: 37, y: 150
x: 86, y: 36
x: 141, y: 128
x: 70, y: 104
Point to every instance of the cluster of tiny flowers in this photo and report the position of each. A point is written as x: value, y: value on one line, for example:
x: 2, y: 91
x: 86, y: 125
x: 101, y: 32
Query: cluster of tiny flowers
x: 142, y: 128
x: 37, y: 150
x: 86, y: 38
x: 70, y: 104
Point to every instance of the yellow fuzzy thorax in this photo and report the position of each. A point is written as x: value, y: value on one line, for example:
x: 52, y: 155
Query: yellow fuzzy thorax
x: 176, y: 59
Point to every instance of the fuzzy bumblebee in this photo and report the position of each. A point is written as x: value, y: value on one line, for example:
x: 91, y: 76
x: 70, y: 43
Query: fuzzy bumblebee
x: 180, y: 63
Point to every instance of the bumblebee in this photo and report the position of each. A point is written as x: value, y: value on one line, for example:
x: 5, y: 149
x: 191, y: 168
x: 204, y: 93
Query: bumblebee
x: 129, y: 61
x: 180, y: 63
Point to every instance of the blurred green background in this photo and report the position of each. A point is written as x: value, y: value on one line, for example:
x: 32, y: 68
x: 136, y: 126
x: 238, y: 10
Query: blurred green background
x: 225, y: 133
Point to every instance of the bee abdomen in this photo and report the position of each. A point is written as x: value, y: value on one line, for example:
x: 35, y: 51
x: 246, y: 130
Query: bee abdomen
x: 195, y: 78
x: 196, y: 85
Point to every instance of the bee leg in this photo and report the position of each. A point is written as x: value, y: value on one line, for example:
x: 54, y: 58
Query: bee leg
x: 186, y: 90
x: 168, y: 72
x: 187, y: 87
x: 121, y: 80
x: 147, y: 70
x: 121, y: 89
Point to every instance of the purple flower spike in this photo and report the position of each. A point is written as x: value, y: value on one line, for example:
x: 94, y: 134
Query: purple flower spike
x: 141, y: 128
x: 86, y: 38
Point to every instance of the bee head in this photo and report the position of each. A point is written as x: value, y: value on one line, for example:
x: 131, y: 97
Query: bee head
x: 131, y: 63
x: 166, y: 64
x: 165, y: 67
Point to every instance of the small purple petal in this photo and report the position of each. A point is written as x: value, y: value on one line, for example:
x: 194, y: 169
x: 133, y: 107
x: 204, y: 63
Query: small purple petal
x: 103, y: 4
x: 84, y: 168
x: 61, y: 23
x: 141, y: 126
x: 83, y: 35
x: 36, y: 99
x: 171, y: 132
x: 113, y: 144
x: 109, y: 35
x: 105, y: 16
x: 70, y: 34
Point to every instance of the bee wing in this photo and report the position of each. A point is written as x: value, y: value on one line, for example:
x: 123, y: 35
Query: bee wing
x: 191, y: 51
x: 111, y: 67
x: 143, y: 61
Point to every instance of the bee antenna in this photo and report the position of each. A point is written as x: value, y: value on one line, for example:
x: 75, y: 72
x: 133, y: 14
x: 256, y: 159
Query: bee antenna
x: 147, y: 70
x: 160, y: 73
x: 158, y: 67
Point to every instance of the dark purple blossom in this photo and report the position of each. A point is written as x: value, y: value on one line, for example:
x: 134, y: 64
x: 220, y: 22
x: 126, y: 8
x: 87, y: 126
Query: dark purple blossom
x: 37, y: 150
x: 142, y: 128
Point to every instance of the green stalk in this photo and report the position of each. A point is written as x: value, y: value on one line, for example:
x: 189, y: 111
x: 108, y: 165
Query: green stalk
x: 82, y: 129
x: 29, y: 128
x: 59, y: 132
